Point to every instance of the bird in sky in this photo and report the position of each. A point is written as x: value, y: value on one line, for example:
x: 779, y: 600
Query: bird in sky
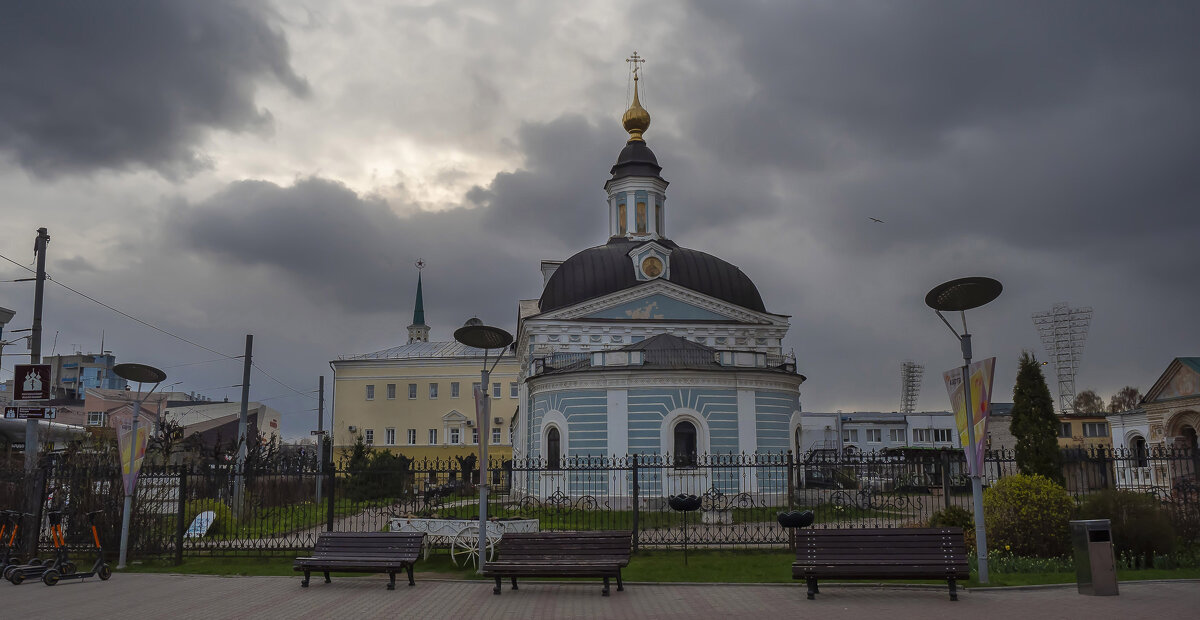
x: 875, y: 219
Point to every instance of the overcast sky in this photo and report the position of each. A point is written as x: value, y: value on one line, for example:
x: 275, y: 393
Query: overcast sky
x: 228, y: 167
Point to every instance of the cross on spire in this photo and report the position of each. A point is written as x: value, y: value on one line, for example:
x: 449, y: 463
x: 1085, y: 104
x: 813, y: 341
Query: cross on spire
x: 635, y: 62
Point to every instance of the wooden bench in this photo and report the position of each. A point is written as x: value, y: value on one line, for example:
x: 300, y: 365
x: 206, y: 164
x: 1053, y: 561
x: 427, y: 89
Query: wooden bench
x: 885, y: 553
x: 363, y: 552
x: 561, y: 554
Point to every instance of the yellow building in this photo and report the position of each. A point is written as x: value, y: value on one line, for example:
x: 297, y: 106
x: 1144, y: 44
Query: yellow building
x: 1082, y: 430
x: 417, y: 399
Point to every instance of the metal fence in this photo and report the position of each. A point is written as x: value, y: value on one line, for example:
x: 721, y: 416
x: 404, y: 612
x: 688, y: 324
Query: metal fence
x: 282, y: 510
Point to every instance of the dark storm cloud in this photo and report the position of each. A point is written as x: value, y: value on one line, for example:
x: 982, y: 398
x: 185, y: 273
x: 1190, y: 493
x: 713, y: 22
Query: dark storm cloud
x: 86, y: 86
x: 356, y: 254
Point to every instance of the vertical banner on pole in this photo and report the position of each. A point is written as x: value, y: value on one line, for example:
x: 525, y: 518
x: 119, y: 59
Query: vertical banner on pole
x: 982, y: 373
x: 127, y: 442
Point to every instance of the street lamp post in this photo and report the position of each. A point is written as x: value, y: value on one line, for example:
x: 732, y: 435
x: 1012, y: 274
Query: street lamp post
x: 475, y: 334
x: 140, y: 373
x: 959, y: 296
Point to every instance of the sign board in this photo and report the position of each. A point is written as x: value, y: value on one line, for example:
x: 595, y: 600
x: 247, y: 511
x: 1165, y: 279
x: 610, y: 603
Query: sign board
x: 32, y: 381
x: 30, y: 413
x: 132, y: 447
x: 200, y: 524
x: 18, y: 445
x: 981, y: 403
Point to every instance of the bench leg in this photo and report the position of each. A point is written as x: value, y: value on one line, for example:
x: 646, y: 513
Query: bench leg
x: 620, y: 585
x: 327, y: 580
x: 514, y: 583
x: 953, y: 590
x: 496, y: 590
x: 604, y: 592
x: 391, y: 581
x: 411, y: 581
x: 304, y: 584
x: 812, y: 588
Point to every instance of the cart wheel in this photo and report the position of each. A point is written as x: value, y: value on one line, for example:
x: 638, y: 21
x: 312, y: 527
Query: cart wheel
x: 16, y: 578
x: 105, y: 572
x: 68, y: 568
x: 465, y: 547
x: 50, y: 577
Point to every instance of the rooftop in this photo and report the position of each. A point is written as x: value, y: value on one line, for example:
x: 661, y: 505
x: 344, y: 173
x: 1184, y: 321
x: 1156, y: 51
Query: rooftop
x: 425, y: 350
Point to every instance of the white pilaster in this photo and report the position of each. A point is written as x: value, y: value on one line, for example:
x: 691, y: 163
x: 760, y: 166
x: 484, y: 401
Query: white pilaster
x: 747, y: 422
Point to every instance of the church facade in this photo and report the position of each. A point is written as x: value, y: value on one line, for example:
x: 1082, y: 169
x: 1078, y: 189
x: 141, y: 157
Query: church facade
x: 643, y: 348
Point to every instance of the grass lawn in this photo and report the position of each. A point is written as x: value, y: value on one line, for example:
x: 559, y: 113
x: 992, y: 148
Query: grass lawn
x: 646, y: 566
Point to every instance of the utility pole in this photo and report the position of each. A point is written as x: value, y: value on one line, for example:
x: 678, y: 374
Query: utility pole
x: 320, y: 434
x: 240, y: 472
x: 35, y: 342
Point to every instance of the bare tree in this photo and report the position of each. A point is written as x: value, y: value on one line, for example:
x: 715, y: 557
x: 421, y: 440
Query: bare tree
x: 1126, y: 399
x: 1088, y: 401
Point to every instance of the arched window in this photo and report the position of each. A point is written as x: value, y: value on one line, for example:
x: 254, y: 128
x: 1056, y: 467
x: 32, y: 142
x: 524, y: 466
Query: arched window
x: 553, y: 449
x: 640, y: 217
x: 685, y: 444
x: 1138, y: 446
x: 622, y: 223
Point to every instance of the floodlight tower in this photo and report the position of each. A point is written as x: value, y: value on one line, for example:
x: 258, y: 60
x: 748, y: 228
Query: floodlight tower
x: 1064, y: 331
x: 910, y: 385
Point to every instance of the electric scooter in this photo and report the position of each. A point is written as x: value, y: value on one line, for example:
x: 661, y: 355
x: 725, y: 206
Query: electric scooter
x: 35, y: 568
x: 8, y: 537
x: 100, y: 568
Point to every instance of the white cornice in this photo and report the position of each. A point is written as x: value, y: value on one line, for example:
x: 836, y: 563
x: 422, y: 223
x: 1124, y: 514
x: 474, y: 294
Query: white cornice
x: 599, y: 379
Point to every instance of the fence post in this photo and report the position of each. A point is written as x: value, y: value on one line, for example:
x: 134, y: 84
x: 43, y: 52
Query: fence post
x: 634, y: 469
x: 791, y: 480
x: 946, y: 478
x: 182, y: 516
x: 330, y: 493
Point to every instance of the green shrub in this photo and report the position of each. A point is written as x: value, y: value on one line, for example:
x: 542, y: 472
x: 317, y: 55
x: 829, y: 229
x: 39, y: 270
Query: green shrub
x: 1140, y: 527
x: 1027, y: 515
x: 956, y: 516
x: 223, y: 522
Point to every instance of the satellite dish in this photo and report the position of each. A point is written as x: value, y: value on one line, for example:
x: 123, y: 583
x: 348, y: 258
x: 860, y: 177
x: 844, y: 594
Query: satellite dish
x: 140, y: 373
x: 963, y: 294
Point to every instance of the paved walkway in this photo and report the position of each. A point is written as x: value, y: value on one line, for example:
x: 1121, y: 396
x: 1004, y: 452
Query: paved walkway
x: 192, y: 596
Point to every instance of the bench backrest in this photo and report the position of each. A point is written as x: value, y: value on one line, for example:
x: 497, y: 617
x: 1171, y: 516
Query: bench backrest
x: 369, y: 545
x: 932, y: 543
x: 593, y: 545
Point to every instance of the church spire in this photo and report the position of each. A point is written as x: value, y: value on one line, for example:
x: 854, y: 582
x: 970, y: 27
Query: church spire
x: 418, y: 331
x: 636, y: 119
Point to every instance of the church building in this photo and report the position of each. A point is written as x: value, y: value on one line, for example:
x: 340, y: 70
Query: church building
x: 641, y: 346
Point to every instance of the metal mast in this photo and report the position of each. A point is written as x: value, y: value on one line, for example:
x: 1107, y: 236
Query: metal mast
x: 1064, y: 331
x: 910, y: 385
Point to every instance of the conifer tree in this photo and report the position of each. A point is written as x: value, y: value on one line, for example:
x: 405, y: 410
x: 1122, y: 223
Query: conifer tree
x: 1033, y: 422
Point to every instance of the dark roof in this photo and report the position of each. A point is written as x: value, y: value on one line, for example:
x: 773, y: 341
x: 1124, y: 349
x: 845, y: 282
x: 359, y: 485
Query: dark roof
x: 605, y: 269
x: 636, y: 160
x: 662, y: 352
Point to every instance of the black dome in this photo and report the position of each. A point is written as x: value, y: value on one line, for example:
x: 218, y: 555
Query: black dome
x: 607, y: 269
x: 636, y: 160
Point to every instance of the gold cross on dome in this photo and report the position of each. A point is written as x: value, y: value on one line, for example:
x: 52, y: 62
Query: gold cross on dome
x: 634, y: 62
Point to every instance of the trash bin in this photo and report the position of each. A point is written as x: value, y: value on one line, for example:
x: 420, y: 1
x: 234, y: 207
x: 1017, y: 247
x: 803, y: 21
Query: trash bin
x: 1095, y: 566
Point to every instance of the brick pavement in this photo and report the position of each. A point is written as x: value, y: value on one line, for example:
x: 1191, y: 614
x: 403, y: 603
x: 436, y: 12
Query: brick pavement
x: 196, y: 596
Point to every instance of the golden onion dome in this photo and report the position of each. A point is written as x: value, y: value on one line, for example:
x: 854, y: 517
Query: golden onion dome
x: 636, y: 119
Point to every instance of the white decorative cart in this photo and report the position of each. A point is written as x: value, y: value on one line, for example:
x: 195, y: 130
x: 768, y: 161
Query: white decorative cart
x: 461, y: 536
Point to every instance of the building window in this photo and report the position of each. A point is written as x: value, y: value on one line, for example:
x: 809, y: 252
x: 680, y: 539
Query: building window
x: 495, y: 434
x: 1064, y: 429
x: 849, y: 435
x: 896, y: 435
x: 370, y: 392
x: 412, y: 436
x: 433, y: 436
x: 474, y: 436
x: 640, y: 217
x: 920, y: 435
x: 453, y: 389
x: 1139, y: 452
x: 512, y: 389
x: 369, y: 436
x: 454, y: 436
x: 942, y: 435
x: 389, y: 436
x: 658, y: 216
x: 874, y: 435
x: 495, y: 390
x: 391, y: 391
x: 622, y: 226
x: 433, y: 390
x: 97, y: 418
x: 412, y: 391
x: 553, y: 447
x: 1095, y: 429
x: 685, y: 444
